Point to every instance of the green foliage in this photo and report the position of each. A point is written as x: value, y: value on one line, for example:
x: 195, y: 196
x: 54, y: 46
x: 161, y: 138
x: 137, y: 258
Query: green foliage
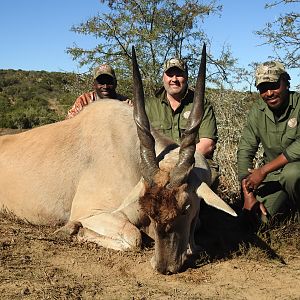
x: 28, y: 117
x: 284, y: 33
x: 31, y: 98
x: 158, y: 30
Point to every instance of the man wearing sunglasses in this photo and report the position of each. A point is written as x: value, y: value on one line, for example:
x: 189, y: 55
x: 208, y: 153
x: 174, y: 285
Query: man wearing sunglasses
x: 273, y: 188
x: 105, y: 83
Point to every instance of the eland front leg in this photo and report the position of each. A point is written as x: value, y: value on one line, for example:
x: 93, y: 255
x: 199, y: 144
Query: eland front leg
x: 110, y: 230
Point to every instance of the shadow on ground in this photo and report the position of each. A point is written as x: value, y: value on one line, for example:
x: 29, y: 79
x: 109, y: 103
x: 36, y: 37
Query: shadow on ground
x: 222, y: 236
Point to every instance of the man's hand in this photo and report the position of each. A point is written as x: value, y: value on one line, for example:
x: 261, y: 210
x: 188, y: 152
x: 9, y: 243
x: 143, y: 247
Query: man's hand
x: 206, y: 147
x: 250, y: 202
x: 254, y: 180
x: 129, y: 102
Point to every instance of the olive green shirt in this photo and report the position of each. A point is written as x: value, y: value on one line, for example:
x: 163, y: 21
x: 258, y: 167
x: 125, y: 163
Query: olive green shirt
x: 281, y: 136
x: 173, y: 123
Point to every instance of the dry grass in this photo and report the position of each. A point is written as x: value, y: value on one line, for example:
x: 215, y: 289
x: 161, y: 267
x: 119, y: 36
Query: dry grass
x: 283, y: 235
x: 231, y: 109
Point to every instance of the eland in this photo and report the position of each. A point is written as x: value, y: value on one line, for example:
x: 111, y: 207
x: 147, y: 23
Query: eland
x: 105, y: 175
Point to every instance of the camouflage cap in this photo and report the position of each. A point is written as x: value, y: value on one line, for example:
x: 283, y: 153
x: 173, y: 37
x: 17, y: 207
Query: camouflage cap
x: 175, y: 62
x: 104, y: 69
x: 269, y: 71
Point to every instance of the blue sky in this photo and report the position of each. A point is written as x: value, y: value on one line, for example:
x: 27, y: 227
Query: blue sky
x: 35, y: 34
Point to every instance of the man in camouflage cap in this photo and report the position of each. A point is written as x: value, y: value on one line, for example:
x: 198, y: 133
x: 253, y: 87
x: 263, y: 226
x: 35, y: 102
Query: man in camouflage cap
x: 105, y: 83
x: 168, y: 112
x: 274, y: 188
x: 269, y: 71
x: 177, y: 63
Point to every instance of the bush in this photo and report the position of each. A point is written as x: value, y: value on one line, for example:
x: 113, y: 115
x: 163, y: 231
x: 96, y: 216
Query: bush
x: 231, y: 109
x: 34, y: 98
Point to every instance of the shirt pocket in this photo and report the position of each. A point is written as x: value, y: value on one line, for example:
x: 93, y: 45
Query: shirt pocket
x: 289, y: 137
x: 162, y: 127
x: 182, y: 127
x: 182, y: 124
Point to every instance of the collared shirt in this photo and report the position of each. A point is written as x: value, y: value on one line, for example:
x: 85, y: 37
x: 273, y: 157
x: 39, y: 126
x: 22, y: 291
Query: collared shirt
x: 280, y: 135
x: 173, y: 123
x: 85, y: 99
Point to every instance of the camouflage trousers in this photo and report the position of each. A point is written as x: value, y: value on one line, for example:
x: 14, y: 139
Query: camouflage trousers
x: 280, y: 191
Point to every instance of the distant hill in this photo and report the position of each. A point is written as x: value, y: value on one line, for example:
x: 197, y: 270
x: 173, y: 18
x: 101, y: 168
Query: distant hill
x: 33, y: 98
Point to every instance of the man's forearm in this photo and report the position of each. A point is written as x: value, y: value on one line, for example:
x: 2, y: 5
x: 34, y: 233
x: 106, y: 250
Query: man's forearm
x: 206, y: 147
x: 277, y: 163
x: 257, y: 176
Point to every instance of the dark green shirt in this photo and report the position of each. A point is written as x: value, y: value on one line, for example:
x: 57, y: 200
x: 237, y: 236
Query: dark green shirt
x: 281, y: 135
x: 173, y: 123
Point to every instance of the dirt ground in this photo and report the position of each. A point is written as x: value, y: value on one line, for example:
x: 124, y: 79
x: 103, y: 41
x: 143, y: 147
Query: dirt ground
x: 35, y: 264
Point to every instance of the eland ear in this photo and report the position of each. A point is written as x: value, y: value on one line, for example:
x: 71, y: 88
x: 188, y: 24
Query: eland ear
x: 212, y: 199
x: 135, y: 194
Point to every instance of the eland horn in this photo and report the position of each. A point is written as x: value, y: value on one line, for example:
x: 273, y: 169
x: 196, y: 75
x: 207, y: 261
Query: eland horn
x: 188, y: 143
x: 149, y: 165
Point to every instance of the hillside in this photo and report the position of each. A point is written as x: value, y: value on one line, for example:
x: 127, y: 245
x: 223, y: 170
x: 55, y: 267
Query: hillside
x: 33, y: 98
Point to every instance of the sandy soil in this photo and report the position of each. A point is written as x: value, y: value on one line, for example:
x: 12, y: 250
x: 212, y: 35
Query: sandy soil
x: 35, y: 264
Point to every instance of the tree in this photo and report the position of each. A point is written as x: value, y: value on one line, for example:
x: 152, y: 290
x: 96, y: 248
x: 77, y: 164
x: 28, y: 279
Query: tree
x: 284, y: 33
x: 245, y: 75
x: 158, y: 30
